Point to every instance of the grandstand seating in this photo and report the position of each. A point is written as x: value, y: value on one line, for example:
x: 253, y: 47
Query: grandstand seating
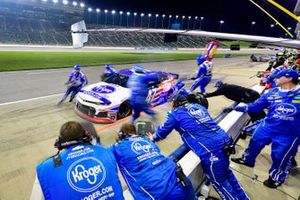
x: 42, y: 24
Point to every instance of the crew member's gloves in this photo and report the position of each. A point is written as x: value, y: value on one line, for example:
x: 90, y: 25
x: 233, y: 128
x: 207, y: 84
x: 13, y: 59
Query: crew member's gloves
x: 241, y: 109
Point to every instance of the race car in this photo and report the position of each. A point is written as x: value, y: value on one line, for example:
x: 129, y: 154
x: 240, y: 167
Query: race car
x: 108, y: 100
x: 262, y: 58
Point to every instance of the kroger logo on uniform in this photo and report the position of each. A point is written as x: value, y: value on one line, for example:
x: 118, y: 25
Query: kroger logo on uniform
x: 196, y: 112
x: 86, y: 174
x: 285, y: 109
x: 104, y: 89
x: 140, y: 147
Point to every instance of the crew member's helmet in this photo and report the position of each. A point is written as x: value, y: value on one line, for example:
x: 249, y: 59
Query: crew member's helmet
x: 218, y: 84
x: 197, y: 98
x: 200, y: 59
x: 76, y: 67
x: 138, y: 69
x: 107, y: 67
x: 179, y: 100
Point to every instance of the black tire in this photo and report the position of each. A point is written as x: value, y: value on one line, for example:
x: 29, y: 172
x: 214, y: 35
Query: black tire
x: 124, y: 110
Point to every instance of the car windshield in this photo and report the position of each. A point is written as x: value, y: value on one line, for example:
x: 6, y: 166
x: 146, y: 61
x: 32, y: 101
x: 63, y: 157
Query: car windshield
x: 117, y: 79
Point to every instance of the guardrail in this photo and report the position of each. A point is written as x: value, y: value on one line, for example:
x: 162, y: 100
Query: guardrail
x: 232, y: 123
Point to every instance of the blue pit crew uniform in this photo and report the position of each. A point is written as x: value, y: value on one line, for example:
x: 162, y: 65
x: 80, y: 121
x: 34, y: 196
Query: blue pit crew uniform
x: 281, y: 127
x: 148, y: 174
x: 206, y: 139
x: 203, y: 76
x: 138, y: 83
x: 76, y: 81
x: 86, y: 172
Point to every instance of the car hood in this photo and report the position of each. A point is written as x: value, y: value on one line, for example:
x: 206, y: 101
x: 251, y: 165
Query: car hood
x: 104, y: 93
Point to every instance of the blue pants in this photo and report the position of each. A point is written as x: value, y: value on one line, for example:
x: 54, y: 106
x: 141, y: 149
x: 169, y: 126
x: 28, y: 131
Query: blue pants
x: 284, y: 146
x: 138, y: 108
x: 216, y: 168
x: 182, y: 193
x: 202, y: 82
x: 73, y: 90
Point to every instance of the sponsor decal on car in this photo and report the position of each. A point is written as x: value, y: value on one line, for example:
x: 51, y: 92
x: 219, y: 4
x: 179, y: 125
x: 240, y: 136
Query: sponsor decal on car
x: 104, y: 89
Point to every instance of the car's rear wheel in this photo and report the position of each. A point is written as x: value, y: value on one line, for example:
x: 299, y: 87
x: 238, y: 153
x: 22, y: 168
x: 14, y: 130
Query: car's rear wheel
x: 124, y: 110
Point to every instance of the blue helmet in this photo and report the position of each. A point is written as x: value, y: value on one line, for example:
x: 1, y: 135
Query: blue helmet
x: 107, y: 66
x: 218, y: 84
x: 289, y: 73
x: 76, y: 67
x: 200, y: 59
x: 138, y: 69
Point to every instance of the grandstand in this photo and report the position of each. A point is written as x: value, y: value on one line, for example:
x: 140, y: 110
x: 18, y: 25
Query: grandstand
x: 41, y: 23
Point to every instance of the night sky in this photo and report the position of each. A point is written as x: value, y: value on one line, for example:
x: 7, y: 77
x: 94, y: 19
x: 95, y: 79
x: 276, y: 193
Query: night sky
x: 237, y: 14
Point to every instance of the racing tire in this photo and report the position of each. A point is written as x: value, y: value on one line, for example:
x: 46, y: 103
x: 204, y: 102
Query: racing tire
x: 124, y: 110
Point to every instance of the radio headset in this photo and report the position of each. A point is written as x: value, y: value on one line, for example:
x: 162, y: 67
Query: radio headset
x: 87, y: 138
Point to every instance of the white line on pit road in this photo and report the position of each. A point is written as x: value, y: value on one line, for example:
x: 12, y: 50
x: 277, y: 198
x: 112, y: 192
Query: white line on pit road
x: 32, y: 99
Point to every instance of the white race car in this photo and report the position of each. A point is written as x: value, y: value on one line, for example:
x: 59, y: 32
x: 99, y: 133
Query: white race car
x: 106, y: 102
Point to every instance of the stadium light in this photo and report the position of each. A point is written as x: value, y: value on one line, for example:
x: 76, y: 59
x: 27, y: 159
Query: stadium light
x: 90, y: 9
x: 74, y: 3
x: 142, y: 15
x: 44, y: 0
x: 155, y: 24
x: 221, y: 23
x: 182, y: 20
x: 271, y: 27
x: 105, y: 16
x: 190, y: 17
x: 120, y: 18
x: 162, y: 20
x: 55, y: 1
x: 113, y: 12
x: 169, y: 22
x: 128, y: 14
x: 201, y: 21
x: 149, y: 17
x: 195, y: 22
x: 134, y: 17
x: 82, y: 5
x: 289, y: 28
x: 65, y: 2
x: 176, y: 17
x: 252, y: 24
x: 97, y: 11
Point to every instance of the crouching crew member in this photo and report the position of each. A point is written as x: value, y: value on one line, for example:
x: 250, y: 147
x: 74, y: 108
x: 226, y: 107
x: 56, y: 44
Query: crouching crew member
x: 207, y: 140
x: 82, y: 171
x: 148, y: 174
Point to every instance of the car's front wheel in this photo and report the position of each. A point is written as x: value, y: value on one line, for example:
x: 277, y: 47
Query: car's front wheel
x: 124, y: 110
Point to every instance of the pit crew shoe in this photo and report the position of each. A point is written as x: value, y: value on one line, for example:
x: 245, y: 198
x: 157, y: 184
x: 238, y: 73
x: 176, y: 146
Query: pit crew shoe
x: 270, y: 183
x: 241, y: 161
